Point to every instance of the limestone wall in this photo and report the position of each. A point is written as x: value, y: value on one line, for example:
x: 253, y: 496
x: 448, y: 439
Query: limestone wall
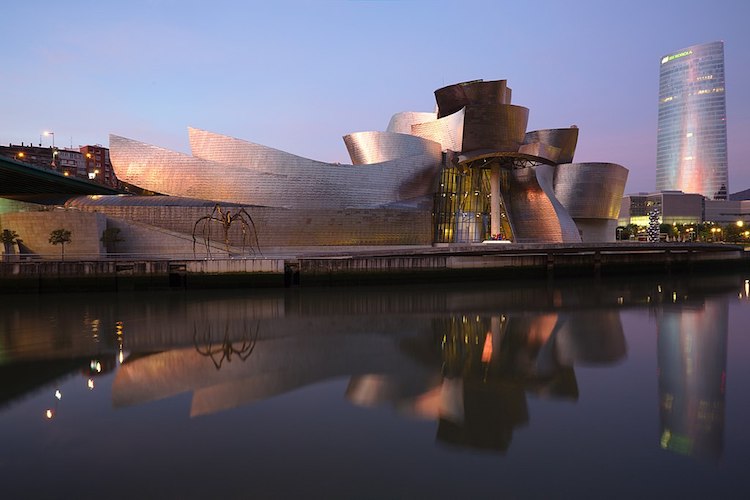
x: 278, y: 227
x: 140, y: 239
x: 34, y: 230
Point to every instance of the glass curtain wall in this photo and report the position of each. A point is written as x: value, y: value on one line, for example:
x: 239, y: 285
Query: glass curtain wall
x: 462, y: 206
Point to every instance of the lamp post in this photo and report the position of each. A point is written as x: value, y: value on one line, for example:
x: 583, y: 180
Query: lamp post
x: 48, y: 133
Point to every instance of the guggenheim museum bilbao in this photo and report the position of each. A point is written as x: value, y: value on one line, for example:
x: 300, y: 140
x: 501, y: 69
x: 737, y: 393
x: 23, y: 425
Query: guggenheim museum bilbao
x: 469, y: 172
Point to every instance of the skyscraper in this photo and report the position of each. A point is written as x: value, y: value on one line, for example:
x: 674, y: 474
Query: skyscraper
x: 691, y: 147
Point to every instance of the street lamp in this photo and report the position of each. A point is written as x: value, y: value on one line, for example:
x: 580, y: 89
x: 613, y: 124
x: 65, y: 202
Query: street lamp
x: 47, y: 133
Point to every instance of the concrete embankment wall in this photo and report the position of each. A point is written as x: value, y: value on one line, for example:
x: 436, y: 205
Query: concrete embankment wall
x: 47, y: 276
x: 479, y: 263
x: 530, y: 264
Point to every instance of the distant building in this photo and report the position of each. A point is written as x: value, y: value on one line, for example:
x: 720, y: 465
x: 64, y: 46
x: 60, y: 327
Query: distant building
x: 88, y: 162
x: 71, y: 163
x: 98, y: 167
x: 28, y: 153
x: 676, y: 207
x: 692, y: 135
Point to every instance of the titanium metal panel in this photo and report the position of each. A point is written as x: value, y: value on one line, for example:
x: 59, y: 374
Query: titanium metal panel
x: 366, y: 148
x: 448, y: 131
x: 454, y: 97
x: 565, y: 139
x: 238, y: 152
x: 253, y: 174
x: 591, y: 190
x: 499, y: 127
x: 535, y: 215
x: 401, y: 122
x: 545, y: 151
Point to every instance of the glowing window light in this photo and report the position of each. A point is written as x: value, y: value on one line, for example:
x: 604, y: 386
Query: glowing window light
x: 90, y: 384
x: 487, y: 348
x: 58, y: 394
x: 49, y: 413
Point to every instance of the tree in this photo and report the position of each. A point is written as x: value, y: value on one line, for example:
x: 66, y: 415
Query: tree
x: 111, y: 237
x: 669, y: 230
x: 60, y: 237
x: 9, y: 238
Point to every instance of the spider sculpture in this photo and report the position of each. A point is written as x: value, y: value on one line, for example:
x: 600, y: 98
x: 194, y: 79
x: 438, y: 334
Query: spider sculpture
x: 226, y: 219
x: 227, y: 347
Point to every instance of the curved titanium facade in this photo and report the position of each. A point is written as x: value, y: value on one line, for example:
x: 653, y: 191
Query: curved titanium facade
x: 366, y: 148
x: 236, y: 175
x: 565, y: 139
x: 691, y: 151
x: 499, y: 127
x: 240, y: 153
x: 401, y: 123
x: 592, y: 193
x: 520, y: 201
x: 448, y: 131
x: 591, y: 190
x: 535, y: 215
x: 454, y: 97
x: 488, y: 178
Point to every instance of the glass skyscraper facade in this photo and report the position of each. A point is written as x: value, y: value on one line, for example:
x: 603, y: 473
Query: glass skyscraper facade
x: 692, y: 135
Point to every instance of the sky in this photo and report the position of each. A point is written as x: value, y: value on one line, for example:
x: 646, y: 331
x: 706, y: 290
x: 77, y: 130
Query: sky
x: 297, y: 76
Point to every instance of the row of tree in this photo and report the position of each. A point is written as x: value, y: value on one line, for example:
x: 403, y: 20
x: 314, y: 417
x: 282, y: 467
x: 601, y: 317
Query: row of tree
x: 705, y: 232
x: 62, y: 236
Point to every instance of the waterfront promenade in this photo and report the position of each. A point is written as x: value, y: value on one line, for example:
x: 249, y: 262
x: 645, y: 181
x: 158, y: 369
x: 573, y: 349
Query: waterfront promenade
x: 325, y: 266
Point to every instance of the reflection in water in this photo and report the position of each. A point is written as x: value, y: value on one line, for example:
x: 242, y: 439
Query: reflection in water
x: 462, y: 356
x: 487, y: 366
x: 243, y: 349
x: 692, y: 353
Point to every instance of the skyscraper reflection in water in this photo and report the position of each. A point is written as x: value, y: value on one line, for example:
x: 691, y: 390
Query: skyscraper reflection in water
x: 692, y: 354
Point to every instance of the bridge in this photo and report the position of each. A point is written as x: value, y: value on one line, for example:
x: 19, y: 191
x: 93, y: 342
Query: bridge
x: 26, y: 182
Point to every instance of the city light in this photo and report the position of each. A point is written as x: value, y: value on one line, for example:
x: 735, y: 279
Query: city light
x: 47, y: 133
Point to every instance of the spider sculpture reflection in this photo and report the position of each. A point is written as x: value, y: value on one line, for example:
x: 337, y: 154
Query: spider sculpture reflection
x: 227, y: 347
x: 226, y: 219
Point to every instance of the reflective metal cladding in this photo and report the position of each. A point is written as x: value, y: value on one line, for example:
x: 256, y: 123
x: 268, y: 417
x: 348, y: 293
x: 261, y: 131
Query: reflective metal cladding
x: 471, y: 167
x: 375, y: 147
x: 564, y: 139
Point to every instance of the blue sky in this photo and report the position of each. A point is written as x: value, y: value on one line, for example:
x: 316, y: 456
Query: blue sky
x: 299, y: 75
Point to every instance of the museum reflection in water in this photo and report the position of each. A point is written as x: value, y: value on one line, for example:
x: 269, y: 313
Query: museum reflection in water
x: 467, y: 359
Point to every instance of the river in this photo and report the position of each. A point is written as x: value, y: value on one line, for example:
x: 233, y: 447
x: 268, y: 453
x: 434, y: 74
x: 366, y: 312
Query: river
x: 616, y: 388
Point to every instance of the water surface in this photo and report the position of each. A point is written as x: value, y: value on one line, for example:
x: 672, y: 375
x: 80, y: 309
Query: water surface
x: 590, y: 389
